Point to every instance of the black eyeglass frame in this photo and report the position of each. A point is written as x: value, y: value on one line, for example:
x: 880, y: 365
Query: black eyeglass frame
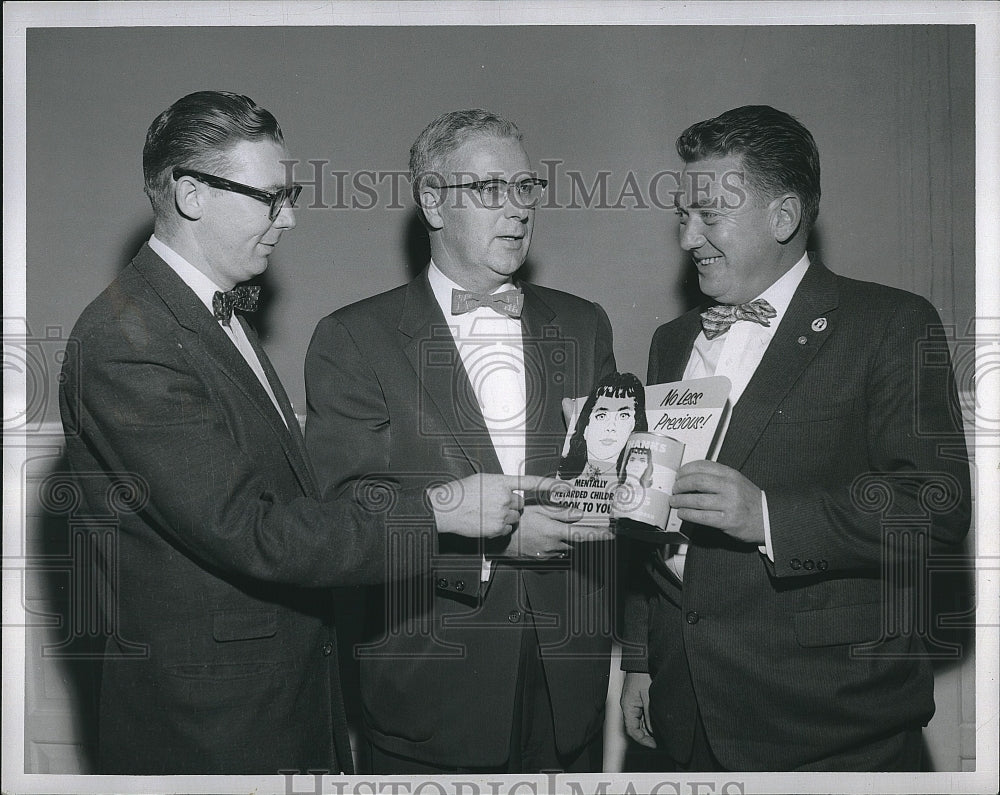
x: 478, y: 185
x: 275, y: 200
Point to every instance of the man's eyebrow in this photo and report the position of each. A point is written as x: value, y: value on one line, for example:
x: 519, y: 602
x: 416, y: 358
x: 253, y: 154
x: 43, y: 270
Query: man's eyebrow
x: 707, y: 202
x: 701, y: 204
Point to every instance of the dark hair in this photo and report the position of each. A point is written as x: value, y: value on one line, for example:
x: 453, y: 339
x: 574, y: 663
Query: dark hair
x: 612, y: 385
x: 777, y: 152
x: 646, y: 478
x: 198, y: 131
x: 444, y: 135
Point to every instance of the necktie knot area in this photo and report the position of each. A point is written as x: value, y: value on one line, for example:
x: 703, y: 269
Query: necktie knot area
x: 509, y: 302
x: 244, y: 298
x: 716, y: 321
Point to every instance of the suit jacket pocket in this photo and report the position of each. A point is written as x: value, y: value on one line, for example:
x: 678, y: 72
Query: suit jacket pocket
x: 212, y: 687
x: 834, y: 626
x: 229, y: 625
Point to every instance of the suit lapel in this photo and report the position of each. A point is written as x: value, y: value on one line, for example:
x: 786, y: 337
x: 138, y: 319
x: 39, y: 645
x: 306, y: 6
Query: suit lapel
x: 297, y: 457
x: 430, y: 348
x: 672, y: 359
x: 192, y: 315
x: 551, y: 373
x: 794, y: 346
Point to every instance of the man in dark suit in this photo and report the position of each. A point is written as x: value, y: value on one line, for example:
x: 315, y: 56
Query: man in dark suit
x: 221, y: 657
x: 787, y: 635
x: 498, y: 660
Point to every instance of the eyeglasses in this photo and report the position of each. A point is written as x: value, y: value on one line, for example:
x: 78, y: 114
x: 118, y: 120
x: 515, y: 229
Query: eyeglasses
x: 275, y: 201
x: 525, y: 193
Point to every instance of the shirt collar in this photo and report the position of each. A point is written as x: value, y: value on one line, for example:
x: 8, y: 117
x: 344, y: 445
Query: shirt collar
x: 202, y: 285
x: 779, y: 295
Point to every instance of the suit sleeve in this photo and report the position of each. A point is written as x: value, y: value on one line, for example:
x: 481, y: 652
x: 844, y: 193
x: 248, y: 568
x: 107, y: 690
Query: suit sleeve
x: 348, y: 411
x: 141, y: 405
x: 917, y: 464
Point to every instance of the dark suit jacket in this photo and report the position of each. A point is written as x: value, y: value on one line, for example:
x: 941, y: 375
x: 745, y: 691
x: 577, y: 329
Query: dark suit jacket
x: 846, y: 428
x: 385, y: 380
x: 214, y: 584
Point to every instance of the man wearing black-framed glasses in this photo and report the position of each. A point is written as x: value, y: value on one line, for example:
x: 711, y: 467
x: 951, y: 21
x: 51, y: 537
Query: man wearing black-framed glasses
x: 276, y: 201
x: 221, y: 656
x: 497, y: 660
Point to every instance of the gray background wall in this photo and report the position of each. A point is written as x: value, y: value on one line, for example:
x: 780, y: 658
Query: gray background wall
x: 891, y: 107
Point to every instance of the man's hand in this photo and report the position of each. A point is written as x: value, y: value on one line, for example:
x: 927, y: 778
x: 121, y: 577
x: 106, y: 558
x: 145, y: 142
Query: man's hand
x: 544, y: 532
x: 718, y: 496
x: 635, y: 708
x: 485, y: 506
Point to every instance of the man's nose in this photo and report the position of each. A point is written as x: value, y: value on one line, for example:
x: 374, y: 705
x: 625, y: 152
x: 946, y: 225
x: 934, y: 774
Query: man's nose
x: 286, y: 217
x: 691, y: 236
x: 514, y: 207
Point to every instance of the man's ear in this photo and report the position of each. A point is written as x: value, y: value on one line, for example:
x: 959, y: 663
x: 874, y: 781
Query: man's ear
x: 188, y: 198
x: 430, y: 203
x: 786, y: 215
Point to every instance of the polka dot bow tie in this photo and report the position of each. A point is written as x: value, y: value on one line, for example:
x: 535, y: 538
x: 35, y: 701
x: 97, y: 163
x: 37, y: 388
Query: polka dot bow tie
x: 716, y: 321
x: 509, y: 302
x: 244, y: 298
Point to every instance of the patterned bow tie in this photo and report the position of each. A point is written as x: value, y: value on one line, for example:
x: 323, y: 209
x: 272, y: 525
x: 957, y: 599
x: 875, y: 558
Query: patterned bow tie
x: 717, y: 320
x: 509, y: 302
x: 244, y: 298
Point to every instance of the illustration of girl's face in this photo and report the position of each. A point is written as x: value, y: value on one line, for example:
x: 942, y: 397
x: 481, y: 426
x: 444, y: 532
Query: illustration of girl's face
x: 637, y: 462
x: 611, y: 421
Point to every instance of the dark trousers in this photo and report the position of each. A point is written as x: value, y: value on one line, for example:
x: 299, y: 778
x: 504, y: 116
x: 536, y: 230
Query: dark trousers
x: 532, y: 740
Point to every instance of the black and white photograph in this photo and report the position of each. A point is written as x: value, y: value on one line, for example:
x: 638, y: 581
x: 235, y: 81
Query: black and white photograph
x: 302, y: 299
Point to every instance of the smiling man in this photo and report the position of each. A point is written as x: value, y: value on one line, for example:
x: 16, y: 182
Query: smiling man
x: 213, y: 579
x: 498, y: 661
x: 784, y: 635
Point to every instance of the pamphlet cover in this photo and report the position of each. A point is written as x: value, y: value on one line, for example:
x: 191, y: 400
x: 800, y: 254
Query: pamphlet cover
x: 597, y: 445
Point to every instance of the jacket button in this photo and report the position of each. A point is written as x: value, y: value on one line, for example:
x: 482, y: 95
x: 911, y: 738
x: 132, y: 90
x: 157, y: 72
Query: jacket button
x: 692, y: 617
x: 514, y: 616
x: 460, y: 585
x: 442, y: 583
x: 327, y: 649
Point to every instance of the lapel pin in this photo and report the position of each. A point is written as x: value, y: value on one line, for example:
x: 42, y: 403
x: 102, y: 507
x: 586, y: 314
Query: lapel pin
x: 819, y: 324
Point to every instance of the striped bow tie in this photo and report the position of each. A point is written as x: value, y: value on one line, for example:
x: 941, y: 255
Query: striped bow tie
x: 509, y: 302
x: 716, y: 321
x: 244, y: 298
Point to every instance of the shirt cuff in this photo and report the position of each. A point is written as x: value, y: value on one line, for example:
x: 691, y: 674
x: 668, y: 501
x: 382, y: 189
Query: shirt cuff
x: 484, y: 572
x: 767, y: 549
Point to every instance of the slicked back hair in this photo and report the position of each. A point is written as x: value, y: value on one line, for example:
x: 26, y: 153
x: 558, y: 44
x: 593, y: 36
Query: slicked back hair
x: 198, y: 131
x: 778, y: 153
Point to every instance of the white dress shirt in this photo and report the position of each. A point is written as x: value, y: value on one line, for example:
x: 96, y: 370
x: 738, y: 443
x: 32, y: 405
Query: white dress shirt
x: 492, y: 351
x: 737, y: 354
x: 205, y: 289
